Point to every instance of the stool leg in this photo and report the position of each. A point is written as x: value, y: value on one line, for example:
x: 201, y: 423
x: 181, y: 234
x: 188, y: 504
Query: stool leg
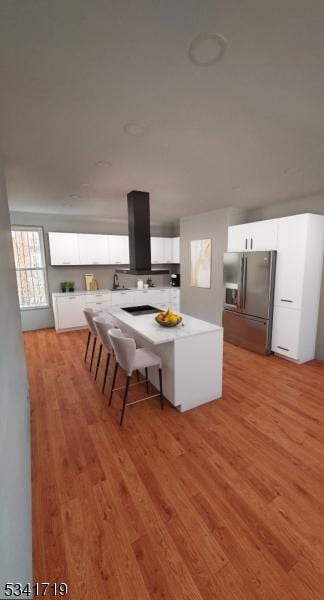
x: 98, y: 361
x: 113, y: 383
x: 161, y: 388
x: 88, y: 342
x: 93, y: 351
x: 106, y: 371
x: 125, y: 400
x: 137, y: 375
x: 146, y: 377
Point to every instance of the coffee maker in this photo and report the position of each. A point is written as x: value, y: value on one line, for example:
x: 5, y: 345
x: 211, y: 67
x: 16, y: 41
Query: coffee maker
x: 175, y: 280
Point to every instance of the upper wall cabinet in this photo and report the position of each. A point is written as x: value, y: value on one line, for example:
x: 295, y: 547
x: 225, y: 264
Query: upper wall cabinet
x: 64, y: 248
x: 261, y: 235
x: 176, y: 250
x: 96, y: 249
x: 119, y: 249
x: 157, y: 250
x: 162, y: 251
x: 93, y: 249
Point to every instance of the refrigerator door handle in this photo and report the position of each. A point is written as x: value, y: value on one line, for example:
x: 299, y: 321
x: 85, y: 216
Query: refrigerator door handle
x: 244, y: 274
x: 241, y: 286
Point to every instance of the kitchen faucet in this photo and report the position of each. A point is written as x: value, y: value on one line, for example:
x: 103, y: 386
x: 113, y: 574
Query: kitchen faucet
x: 115, y: 282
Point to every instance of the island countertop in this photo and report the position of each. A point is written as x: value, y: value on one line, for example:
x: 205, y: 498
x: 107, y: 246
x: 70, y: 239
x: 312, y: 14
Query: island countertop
x: 148, y: 328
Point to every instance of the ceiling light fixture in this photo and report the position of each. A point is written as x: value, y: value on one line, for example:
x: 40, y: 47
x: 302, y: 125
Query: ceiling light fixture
x: 102, y: 163
x: 207, y: 49
x: 74, y: 197
x: 135, y: 129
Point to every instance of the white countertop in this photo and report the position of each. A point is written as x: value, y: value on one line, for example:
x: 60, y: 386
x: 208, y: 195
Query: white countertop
x: 149, y: 329
x: 106, y: 291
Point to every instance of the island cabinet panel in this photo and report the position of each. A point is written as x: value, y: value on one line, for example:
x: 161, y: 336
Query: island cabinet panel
x: 195, y: 347
x: 68, y: 311
x: 64, y: 249
x: 94, y: 249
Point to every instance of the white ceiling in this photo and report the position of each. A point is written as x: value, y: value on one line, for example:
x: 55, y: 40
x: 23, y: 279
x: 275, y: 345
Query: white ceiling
x: 247, y: 131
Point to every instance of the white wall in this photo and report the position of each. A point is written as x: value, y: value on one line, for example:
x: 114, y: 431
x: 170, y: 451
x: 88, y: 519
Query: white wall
x: 200, y: 302
x: 15, y: 496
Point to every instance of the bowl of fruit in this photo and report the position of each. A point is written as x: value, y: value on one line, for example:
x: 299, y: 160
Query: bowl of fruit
x: 168, y: 318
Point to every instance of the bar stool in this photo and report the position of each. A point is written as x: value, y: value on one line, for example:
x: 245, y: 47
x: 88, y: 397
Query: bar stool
x: 89, y: 314
x: 102, y: 324
x: 130, y: 358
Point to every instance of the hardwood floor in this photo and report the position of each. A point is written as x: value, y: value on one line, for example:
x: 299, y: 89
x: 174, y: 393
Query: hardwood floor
x: 223, y: 502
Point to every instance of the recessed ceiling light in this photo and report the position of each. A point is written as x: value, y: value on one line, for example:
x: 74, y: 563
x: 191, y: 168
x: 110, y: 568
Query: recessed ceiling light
x: 292, y: 170
x: 74, y: 197
x: 102, y: 163
x: 135, y: 129
x: 85, y: 185
x: 207, y: 49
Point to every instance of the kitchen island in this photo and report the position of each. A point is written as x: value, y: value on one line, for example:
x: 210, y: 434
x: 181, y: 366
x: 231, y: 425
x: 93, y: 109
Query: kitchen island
x: 191, y: 354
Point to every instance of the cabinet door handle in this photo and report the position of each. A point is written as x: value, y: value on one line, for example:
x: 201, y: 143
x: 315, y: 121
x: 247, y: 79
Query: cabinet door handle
x: 246, y: 241
x: 251, y: 244
x: 285, y: 300
x: 283, y: 348
x: 67, y: 262
x: 72, y: 297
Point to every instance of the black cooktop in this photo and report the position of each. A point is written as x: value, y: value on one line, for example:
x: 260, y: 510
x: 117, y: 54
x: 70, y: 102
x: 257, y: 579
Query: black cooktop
x: 137, y: 311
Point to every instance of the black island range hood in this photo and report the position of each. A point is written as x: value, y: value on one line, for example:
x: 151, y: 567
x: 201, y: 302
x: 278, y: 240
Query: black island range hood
x: 139, y: 232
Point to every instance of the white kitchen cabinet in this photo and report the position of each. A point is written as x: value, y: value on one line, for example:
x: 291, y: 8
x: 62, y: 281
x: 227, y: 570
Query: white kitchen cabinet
x: 93, y: 249
x: 249, y: 237
x: 285, y: 332
x: 161, y: 250
x: 176, y: 250
x: 298, y: 285
x: 119, y: 249
x: 168, y: 250
x: 122, y: 298
x: 238, y: 236
x: 98, y: 300
x: 291, y: 256
x: 157, y: 250
x: 68, y: 311
x: 64, y: 249
x: 159, y: 298
x: 175, y: 299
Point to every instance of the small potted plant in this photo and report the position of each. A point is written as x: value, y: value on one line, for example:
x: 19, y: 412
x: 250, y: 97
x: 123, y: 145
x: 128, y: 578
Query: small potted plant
x: 70, y: 286
x: 63, y: 286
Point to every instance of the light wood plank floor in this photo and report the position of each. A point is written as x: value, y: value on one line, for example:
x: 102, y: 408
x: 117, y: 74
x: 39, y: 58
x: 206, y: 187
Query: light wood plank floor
x: 223, y: 502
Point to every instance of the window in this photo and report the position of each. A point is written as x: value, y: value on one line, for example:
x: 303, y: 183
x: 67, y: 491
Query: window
x: 28, y: 245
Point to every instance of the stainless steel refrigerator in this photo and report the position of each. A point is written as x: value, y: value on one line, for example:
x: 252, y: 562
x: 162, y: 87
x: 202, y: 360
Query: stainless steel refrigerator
x: 248, y: 299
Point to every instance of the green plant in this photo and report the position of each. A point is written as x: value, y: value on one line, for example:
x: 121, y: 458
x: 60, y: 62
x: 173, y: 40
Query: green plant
x: 63, y: 286
x: 70, y: 286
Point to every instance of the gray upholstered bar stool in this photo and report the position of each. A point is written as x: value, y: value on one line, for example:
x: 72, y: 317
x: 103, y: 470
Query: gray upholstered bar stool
x: 102, y: 324
x: 130, y: 358
x: 90, y: 314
